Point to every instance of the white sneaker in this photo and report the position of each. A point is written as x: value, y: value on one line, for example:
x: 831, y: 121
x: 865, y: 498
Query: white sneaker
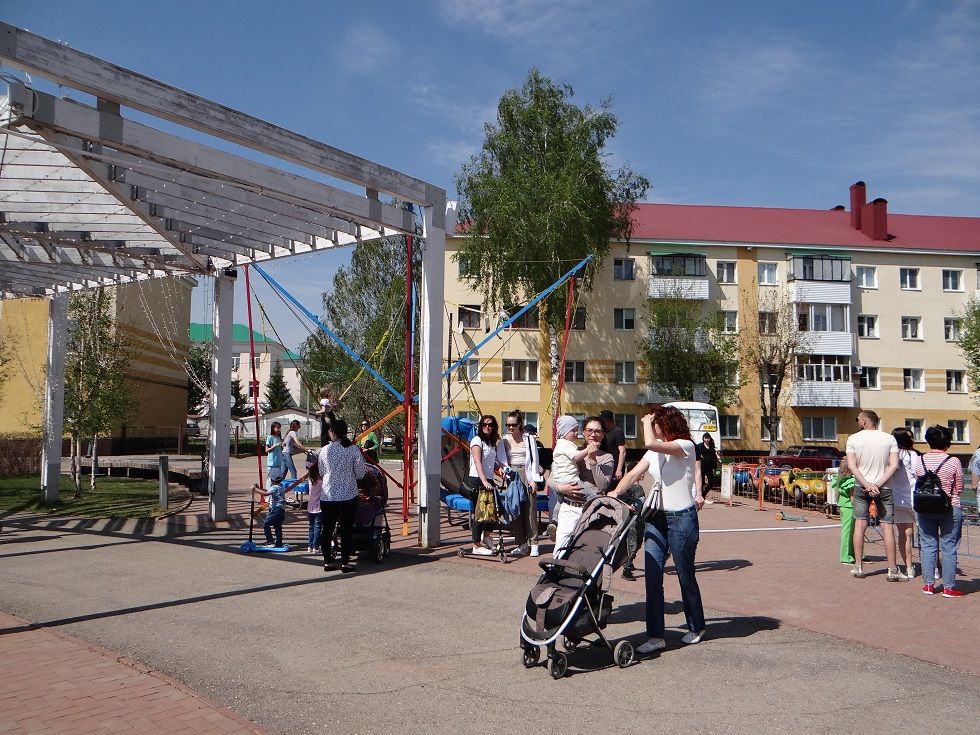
x: 520, y: 550
x: 910, y: 571
x: 692, y: 638
x: 654, y: 644
x: 482, y: 551
x: 534, y: 550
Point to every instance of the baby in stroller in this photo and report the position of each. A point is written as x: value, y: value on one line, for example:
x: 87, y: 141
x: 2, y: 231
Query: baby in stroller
x: 371, y: 531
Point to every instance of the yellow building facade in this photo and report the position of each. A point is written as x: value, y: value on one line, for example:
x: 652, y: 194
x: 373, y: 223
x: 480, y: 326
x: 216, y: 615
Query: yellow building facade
x: 880, y: 316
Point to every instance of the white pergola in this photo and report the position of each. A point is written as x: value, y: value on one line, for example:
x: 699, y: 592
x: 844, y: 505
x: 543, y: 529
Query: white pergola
x: 89, y: 197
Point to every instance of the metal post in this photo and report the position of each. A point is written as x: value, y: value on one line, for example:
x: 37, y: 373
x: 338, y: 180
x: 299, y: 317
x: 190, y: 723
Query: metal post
x: 54, y: 397
x: 164, y: 482
x: 220, y: 427
x: 430, y: 373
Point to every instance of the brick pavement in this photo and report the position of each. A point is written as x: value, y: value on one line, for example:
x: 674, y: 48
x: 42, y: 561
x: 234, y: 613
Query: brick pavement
x: 55, y: 684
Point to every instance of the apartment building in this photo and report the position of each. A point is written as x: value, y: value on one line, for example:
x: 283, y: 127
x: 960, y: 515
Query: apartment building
x: 878, y: 296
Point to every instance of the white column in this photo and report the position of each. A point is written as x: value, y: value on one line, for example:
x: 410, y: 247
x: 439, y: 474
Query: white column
x: 54, y: 397
x: 430, y: 374
x: 220, y: 413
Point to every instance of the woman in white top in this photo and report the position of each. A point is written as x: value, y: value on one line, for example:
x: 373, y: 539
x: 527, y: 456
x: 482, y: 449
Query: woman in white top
x: 483, y: 459
x: 671, y: 460
x: 518, y: 451
x: 901, y: 484
x: 341, y: 465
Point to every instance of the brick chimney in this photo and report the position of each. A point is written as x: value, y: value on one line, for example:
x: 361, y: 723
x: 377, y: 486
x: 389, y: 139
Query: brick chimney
x: 874, y: 219
x: 859, y: 195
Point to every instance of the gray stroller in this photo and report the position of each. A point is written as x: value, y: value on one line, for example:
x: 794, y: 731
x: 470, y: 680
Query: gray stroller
x: 571, y: 600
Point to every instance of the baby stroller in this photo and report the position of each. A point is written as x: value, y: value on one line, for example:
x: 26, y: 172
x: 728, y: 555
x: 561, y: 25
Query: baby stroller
x: 571, y: 599
x: 371, y: 531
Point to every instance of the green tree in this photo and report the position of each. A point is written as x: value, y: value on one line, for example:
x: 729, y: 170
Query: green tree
x: 277, y: 395
x: 97, y: 397
x: 540, y: 196
x: 970, y: 343
x: 687, y: 348
x: 240, y: 401
x: 366, y: 309
x: 199, y: 377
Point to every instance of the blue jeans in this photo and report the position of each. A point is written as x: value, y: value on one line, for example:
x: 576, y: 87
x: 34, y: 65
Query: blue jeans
x: 314, y: 530
x: 937, y: 531
x: 679, y: 532
x: 273, y: 522
x: 289, y: 464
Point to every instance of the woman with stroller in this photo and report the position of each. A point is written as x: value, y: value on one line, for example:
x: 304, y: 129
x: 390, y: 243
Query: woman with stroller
x: 483, y: 460
x: 674, y: 526
x: 341, y: 465
x: 518, y: 451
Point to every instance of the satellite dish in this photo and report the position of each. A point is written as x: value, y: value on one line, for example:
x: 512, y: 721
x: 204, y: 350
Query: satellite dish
x: 460, y: 327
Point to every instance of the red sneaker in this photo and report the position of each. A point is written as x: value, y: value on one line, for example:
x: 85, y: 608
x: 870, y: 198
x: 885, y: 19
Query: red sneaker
x: 951, y: 592
x: 928, y: 589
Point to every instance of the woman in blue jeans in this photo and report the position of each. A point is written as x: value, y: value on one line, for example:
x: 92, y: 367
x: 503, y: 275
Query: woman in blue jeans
x: 674, y: 528
x: 940, y: 531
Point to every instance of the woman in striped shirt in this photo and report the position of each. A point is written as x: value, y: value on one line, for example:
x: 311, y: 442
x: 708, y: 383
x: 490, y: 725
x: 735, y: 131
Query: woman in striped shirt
x: 940, y: 530
x: 341, y: 466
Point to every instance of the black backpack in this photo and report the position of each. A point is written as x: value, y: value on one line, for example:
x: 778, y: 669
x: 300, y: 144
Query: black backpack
x: 929, y: 496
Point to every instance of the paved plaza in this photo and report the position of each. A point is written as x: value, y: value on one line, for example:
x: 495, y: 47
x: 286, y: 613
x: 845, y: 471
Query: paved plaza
x: 166, y: 627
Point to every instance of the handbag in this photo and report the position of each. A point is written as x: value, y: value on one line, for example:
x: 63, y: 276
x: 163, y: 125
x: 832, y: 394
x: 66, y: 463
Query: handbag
x: 485, y: 510
x: 468, y: 490
x: 653, y: 502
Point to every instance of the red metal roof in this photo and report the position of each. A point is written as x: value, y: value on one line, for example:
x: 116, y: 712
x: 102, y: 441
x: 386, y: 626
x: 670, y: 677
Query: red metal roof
x: 802, y: 227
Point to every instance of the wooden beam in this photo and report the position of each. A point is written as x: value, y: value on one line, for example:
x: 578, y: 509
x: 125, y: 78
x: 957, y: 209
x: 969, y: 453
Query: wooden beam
x: 107, y: 81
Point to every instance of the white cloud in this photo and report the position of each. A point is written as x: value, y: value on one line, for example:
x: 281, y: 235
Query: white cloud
x: 365, y: 49
x: 452, y: 153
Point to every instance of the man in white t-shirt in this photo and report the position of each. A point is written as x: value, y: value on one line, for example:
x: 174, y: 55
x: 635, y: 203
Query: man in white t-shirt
x: 872, y: 455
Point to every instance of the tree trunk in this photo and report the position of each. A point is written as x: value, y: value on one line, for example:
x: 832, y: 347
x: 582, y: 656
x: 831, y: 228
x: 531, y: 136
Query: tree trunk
x: 553, y: 357
x: 77, y: 472
x: 95, y: 461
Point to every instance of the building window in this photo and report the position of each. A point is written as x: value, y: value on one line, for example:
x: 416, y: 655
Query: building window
x: 823, y: 318
x: 915, y: 426
x: 955, y: 381
x: 580, y: 417
x: 765, y: 431
x: 527, y: 320
x: 469, y: 371
x: 820, y: 428
x: 680, y: 264
x: 767, y: 322
x: 574, y: 371
x: 729, y: 322
x: 626, y: 422
x: 958, y: 428
x: 626, y: 372
x: 473, y: 416
x: 236, y: 363
x: 530, y: 417
x: 767, y: 274
x: 520, y: 371
x: 463, y: 266
x: 725, y: 271
x: 868, y: 326
x: 912, y: 379
x: 910, y: 327
x: 578, y: 319
x: 952, y: 328
x: 824, y: 368
x: 624, y: 319
x: 469, y: 316
x: 624, y: 269
x: 818, y: 268
x: 952, y: 280
x: 908, y: 279
x: 251, y: 389
x: 867, y: 276
x: 869, y: 378
x: 729, y: 427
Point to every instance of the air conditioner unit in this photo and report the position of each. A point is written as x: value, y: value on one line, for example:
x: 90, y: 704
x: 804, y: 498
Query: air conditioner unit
x: 857, y: 370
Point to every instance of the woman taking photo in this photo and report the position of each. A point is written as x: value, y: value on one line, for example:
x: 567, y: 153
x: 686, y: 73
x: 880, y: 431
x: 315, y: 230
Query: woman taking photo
x: 483, y: 459
x: 674, y: 527
x: 519, y: 452
x: 341, y: 466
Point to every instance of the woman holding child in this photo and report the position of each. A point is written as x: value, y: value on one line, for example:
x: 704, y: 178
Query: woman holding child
x: 671, y: 460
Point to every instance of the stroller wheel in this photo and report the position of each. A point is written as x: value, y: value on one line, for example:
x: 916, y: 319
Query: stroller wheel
x: 531, y: 656
x: 381, y: 548
x: 570, y: 643
x: 623, y: 654
x: 557, y: 665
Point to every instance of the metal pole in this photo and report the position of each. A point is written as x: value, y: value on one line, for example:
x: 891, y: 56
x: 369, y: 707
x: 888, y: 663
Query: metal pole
x: 254, y: 384
x: 407, y: 465
x: 164, y: 482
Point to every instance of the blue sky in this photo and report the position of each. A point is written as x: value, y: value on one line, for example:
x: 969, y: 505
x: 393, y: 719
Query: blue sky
x: 769, y: 104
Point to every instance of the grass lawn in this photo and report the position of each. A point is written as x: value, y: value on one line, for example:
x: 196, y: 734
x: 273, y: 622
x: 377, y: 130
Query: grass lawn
x: 114, y: 497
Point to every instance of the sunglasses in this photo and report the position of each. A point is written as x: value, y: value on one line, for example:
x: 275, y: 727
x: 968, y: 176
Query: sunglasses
x: 489, y: 423
x: 511, y: 426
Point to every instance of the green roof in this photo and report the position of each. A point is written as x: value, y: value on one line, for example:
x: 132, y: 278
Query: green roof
x: 239, y: 333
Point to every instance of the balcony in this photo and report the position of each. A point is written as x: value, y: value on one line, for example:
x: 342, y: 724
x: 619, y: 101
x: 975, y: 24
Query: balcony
x: 829, y: 343
x: 678, y: 287
x: 825, y: 394
x: 819, y: 292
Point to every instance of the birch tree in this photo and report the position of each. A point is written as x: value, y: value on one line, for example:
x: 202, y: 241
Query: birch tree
x: 540, y: 196
x: 970, y: 344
